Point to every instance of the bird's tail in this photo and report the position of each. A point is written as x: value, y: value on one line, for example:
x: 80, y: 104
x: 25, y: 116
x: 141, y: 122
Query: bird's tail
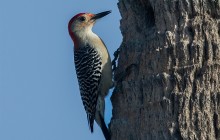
x: 104, y: 128
x: 91, y: 122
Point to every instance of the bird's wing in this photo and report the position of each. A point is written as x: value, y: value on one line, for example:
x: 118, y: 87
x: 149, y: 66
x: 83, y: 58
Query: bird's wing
x: 88, y: 68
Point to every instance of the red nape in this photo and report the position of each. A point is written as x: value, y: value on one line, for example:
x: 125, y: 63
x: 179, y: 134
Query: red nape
x: 75, y: 41
x: 69, y: 28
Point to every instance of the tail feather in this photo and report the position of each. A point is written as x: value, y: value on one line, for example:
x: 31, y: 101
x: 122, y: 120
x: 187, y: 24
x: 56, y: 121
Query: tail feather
x: 104, y: 128
x: 91, y: 122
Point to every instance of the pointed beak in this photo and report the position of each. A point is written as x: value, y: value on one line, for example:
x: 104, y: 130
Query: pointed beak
x: 100, y: 15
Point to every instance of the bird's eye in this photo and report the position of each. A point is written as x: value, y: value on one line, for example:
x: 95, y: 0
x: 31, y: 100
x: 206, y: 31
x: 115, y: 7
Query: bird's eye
x: 82, y: 18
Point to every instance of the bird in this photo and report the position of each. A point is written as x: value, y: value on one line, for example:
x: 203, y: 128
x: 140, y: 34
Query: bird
x: 93, y: 67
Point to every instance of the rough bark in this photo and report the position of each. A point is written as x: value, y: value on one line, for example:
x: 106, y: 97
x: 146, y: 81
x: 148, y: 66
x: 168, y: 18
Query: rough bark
x: 168, y: 74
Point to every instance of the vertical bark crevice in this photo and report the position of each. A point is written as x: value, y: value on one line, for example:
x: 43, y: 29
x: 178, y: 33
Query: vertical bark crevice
x: 215, y: 123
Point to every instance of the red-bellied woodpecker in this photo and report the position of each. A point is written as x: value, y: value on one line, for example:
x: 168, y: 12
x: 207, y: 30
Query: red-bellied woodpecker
x: 93, y: 67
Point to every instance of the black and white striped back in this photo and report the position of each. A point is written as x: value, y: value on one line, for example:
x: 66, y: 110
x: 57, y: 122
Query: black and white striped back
x: 88, y: 69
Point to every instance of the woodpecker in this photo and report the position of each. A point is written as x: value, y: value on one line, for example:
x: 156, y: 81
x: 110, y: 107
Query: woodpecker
x: 93, y: 67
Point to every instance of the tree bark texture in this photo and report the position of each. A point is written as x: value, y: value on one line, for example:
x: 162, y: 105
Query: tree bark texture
x: 168, y: 74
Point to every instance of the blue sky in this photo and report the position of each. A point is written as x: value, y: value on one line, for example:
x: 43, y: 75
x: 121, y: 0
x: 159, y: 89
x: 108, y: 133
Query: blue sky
x: 39, y: 93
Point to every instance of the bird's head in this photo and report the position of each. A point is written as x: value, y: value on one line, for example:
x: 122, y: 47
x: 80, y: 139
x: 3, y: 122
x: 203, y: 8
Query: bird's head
x: 83, y: 22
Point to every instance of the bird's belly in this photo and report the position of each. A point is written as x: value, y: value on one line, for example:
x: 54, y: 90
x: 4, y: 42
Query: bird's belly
x: 106, y: 78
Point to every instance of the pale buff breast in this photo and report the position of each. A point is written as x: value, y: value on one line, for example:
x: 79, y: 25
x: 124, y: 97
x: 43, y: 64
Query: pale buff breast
x: 106, y: 78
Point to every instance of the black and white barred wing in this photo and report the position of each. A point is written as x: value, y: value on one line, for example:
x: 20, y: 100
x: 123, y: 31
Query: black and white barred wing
x: 88, y: 69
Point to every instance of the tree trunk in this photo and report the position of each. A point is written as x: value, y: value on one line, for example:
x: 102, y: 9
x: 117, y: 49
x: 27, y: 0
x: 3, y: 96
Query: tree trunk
x: 168, y: 74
